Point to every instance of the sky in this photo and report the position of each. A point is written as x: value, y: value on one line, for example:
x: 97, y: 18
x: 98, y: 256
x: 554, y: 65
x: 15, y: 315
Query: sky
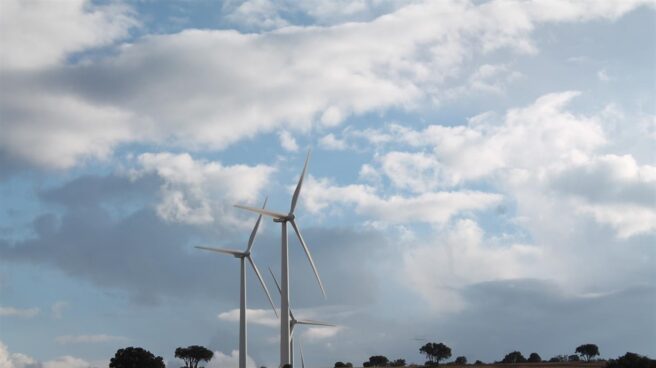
x: 482, y: 174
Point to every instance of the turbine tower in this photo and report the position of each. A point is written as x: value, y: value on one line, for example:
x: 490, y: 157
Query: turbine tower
x: 295, y: 322
x: 245, y: 255
x: 283, y: 219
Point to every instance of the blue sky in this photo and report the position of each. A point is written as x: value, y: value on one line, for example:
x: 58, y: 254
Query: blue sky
x: 482, y: 175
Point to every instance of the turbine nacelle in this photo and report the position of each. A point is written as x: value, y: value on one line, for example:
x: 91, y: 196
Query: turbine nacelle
x: 289, y: 217
x: 246, y: 255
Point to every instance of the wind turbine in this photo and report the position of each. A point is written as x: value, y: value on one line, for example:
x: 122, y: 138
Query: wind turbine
x: 283, y: 219
x: 294, y: 322
x: 245, y: 255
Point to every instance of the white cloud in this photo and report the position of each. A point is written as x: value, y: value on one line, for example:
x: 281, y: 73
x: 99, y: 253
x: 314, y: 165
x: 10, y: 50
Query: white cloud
x: 570, y: 195
x: 487, y: 78
x: 369, y: 173
x: 615, y: 190
x: 247, y: 84
x: 5, y: 357
x: 198, y: 191
x: 221, y: 360
x: 540, y: 146
x: 18, y: 312
x: 627, y: 220
x: 287, y: 141
x: 88, y: 339
x: 417, y: 172
x: 40, y: 33
x: 264, y: 317
x: 429, y: 207
x: 18, y: 360
x: 257, y: 14
x: 66, y: 129
x: 330, y: 142
x: 462, y: 256
x: 265, y: 14
x: 321, y: 333
x: 525, y: 141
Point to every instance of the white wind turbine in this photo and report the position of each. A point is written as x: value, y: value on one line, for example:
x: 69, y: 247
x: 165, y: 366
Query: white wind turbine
x: 245, y: 255
x: 283, y: 219
x: 294, y: 322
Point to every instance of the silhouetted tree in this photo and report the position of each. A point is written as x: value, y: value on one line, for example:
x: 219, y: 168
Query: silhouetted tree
x: 514, y: 357
x: 340, y: 365
x: 376, y: 361
x: 534, y: 358
x: 588, y: 351
x: 461, y: 360
x: 349, y: 364
x: 398, y: 363
x: 631, y: 360
x: 558, y: 359
x: 573, y: 358
x: 478, y: 362
x: 193, y: 354
x: 132, y: 357
x: 435, y: 352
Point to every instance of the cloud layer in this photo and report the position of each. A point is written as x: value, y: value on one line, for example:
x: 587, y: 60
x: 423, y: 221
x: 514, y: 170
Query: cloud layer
x: 156, y: 89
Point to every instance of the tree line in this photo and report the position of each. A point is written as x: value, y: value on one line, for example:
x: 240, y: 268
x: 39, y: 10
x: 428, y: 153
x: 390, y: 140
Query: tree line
x: 136, y: 357
x: 437, y: 352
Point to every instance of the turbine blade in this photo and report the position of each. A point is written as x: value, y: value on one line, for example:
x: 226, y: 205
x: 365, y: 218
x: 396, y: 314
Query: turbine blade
x: 257, y: 225
x: 275, y: 215
x: 275, y: 280
x: 302, y: 358
x: 259, y: 276
x: 223, y: 250
x: 309, y: 256
x: 314, y: 323
x: 291, y: 314
x: 297, y: 191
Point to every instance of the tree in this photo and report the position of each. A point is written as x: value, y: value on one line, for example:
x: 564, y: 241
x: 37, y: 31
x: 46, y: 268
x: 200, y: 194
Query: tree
x: 573, y: 358
x: 631, y: 360
x: 588, y: 351
x: 376, y: 361
x: 461, y: 360
x: 132, y: 357
x: 478, y: 362
x: 534, y: 358
x: 514, y: 357
x: 193, y: 354
x: 435, y: 352
x: 340, y: 365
